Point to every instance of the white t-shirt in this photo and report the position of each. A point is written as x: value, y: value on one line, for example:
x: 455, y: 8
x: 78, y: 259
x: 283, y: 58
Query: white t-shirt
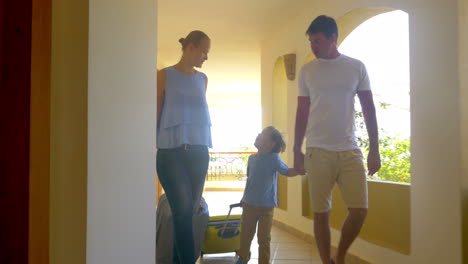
x: 331, y: 86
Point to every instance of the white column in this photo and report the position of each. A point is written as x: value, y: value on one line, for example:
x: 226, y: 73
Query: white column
x: 121, y: 131
x: 435, y: 130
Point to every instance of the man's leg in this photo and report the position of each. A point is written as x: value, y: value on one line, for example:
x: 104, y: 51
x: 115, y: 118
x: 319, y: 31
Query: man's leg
x: 350, y: 230
x: 321, y: 173
x: 322, y: 235
x: 353, y: 185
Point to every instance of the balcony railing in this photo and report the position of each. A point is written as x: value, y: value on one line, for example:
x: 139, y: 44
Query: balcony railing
x: 228, y: 166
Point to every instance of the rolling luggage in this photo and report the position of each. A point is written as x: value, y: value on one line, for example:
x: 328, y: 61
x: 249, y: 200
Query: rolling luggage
x: 165, y: 230
x: 222, y: 233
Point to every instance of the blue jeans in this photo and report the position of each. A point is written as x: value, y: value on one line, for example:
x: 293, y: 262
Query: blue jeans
x: 182, y: 173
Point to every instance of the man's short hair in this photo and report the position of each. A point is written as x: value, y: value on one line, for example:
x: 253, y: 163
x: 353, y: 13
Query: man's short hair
x: 323, y: 24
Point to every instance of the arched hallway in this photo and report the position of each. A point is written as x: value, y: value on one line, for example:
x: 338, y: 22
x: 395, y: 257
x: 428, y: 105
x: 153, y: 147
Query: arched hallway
x: 95, y: 162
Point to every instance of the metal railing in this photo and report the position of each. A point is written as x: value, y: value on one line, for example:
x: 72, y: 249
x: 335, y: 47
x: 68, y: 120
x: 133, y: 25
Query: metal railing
x: 228, y: 166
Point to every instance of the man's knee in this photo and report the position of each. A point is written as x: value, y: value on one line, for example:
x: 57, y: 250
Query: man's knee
x: 358, y: 213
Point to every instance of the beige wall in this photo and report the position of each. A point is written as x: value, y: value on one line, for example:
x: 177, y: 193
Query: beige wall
x: 435, y: 196
x: 279, y: 110
x: 121, y: 132
x: 244, y: 99
x: 68, y: 132
x: 463, y: 59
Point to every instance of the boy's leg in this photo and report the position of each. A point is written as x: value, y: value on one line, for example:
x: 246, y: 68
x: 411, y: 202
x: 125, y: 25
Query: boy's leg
x: 248, y: 225
x: 353, y: 186
x: 265, y: 222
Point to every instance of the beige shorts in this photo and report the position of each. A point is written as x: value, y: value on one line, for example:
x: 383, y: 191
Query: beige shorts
x: 325, y: 168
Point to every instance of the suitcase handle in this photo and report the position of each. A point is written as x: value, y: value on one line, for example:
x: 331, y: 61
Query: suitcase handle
x: 229, y: 214
x: 235, y: 205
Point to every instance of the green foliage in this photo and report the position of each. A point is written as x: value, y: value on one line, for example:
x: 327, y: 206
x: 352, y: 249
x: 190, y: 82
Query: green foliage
x: 394, y: 152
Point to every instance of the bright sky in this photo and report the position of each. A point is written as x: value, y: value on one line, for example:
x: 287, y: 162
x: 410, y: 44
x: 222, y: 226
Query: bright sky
x: 382, y: 44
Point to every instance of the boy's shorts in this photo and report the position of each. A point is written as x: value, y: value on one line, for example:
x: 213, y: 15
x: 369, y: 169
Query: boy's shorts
x: 325, y: 168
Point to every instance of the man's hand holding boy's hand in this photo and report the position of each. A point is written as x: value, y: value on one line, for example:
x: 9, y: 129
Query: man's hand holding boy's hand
x: 292, y: 172
x: 299, y: 162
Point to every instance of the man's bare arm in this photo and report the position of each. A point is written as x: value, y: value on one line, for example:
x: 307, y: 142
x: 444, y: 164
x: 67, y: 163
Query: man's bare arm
x: 302, y: 116
x: 370, y: 118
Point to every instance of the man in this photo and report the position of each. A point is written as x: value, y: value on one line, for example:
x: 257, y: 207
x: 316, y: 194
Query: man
x: 327, y: 87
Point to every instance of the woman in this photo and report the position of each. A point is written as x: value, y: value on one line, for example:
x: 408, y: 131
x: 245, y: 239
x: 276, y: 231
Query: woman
x: 183, y: 140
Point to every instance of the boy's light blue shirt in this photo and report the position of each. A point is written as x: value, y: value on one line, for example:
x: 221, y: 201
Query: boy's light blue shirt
x: 262, y: 175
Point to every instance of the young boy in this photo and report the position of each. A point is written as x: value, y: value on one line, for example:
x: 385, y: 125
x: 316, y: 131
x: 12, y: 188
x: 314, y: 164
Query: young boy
x: 259, y: 197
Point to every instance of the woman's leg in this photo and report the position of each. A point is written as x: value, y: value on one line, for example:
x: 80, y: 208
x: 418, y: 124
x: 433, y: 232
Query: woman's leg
x: 197, y: 167
x: 174, y: 177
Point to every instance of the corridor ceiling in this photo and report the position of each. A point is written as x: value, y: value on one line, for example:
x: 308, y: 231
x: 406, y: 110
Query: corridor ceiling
x: 232, y: 25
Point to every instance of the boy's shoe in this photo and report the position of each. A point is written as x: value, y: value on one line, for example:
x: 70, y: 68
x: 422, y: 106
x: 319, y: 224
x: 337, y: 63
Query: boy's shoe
x: 240, y: 262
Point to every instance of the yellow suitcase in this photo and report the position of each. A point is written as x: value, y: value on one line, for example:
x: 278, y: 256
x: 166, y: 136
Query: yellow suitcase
x: 222, y: 233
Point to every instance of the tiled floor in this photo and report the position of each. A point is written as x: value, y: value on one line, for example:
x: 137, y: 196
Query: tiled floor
x: 285, y: 248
